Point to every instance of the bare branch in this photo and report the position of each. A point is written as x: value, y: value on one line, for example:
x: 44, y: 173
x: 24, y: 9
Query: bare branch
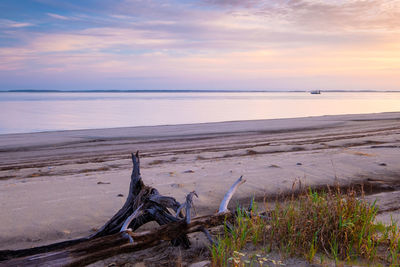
x: 128, y: 221
x: 189, y: 204
x: 223, y: 207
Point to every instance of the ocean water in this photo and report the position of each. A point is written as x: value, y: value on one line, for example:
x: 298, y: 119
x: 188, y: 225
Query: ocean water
x: 36, y: 112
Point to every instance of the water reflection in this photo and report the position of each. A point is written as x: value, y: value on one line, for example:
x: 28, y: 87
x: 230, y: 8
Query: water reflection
x: 31, y: 112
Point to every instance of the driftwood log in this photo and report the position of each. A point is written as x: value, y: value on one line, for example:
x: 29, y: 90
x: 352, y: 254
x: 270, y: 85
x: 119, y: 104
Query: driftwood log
x: 143, y: 204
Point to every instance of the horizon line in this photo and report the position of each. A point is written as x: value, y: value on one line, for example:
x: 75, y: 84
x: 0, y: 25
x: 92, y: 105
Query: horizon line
x: 189, y: 91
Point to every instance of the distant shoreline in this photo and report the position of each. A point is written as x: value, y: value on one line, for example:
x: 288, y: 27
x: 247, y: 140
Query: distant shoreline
x: 194, y: 91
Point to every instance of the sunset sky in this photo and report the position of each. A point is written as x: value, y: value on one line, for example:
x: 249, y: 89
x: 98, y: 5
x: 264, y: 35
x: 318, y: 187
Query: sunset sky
x: 203, y: 44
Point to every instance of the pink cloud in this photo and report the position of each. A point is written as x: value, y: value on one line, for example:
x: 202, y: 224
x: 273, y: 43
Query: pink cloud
x: 57, y: 16
x: 237, y: 45
x: 5, y: 23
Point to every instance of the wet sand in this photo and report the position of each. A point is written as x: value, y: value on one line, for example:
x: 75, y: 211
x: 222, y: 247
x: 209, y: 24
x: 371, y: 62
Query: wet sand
x: 60, y: 185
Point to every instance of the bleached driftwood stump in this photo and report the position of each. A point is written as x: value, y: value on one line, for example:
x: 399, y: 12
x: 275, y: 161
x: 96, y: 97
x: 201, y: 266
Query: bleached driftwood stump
x: 143, y: 204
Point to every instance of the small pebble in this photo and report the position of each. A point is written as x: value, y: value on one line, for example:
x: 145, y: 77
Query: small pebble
x: 102, y: 183
x: 298, y: 163
x: 382, y: 164
x: 120, y: 195
x: 189, y: 171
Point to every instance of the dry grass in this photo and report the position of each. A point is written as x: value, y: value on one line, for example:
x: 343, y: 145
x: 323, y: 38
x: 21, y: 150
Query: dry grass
x: 339, y: 226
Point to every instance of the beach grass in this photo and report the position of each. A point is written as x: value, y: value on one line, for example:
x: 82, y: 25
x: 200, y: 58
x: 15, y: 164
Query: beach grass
x: 317, y: 226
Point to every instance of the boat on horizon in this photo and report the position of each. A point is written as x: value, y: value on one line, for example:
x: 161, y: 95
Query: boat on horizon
x: 315, y: 92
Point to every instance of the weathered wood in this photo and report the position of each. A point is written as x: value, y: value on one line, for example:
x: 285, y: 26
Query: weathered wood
x: 135, y: 197
x: 113, y: 226
x: 138, y: 194
x: 105, y: 247
x: 187, y: 205
x: 223, y: 207
x: 143, y: 204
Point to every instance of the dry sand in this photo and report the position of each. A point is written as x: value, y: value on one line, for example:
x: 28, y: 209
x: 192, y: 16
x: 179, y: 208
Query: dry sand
x: 60, y: 185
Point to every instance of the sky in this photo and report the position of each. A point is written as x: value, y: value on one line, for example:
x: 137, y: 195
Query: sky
x: 200, y: 45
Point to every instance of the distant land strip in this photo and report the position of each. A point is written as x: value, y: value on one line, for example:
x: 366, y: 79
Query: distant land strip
x: 191, y: 91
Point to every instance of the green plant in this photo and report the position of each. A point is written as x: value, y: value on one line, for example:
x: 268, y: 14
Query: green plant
x: 339, y: 225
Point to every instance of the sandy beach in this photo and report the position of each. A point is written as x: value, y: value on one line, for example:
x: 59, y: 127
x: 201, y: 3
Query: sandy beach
x: 60, y: 185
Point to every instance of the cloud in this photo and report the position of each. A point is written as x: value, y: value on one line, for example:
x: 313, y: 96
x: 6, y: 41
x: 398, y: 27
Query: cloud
x: 5, y: 23
x: 319, y: 15
x: 56, y: 16
x: 344, y: 15
x: 228, y: 44
x: 234, y: 3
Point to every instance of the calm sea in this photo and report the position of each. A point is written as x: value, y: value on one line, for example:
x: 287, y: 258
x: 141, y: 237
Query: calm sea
x: 35, y: 112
